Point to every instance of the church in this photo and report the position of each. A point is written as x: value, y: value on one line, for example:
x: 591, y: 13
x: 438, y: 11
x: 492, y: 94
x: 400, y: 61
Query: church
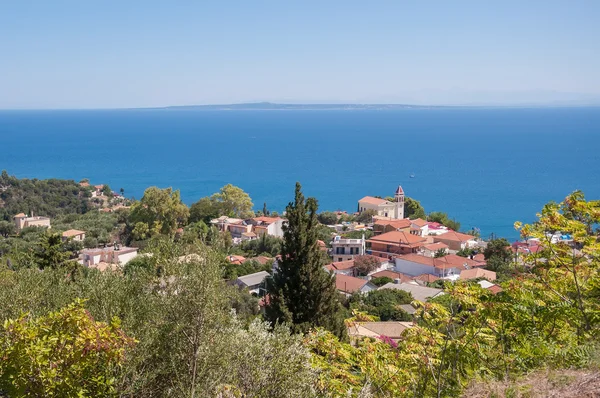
x: 382, y: 207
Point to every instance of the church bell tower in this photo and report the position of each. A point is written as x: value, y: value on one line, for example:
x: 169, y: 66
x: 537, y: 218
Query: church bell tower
x: 399, y: 195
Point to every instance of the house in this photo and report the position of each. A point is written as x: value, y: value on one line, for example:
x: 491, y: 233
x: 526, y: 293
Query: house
x: 346, y: 249
x: 419, y: 293
x: 97, y: 191
x: 348, y: 284
x: 382, y: 207
x: 237, y: 260
x: 248, y: 236
x: 391, y: 329
x: 23, y: 221
x: 395, y: 242
x: 73, y: 234
x: 346, y: 267
x: 456, y: 241
x: 253, y: 282
x: 112, y: 255
x: 418, y: 226
x: 435, y: 228
x: 476, y: 273
x: 492, y: 287
x: 424, y: 279
x: 267, y: 225
x: 262, y: 260
x: 393, y: 275
x: 431, y: 249
x: 383, y: 225
x: 448, y: 266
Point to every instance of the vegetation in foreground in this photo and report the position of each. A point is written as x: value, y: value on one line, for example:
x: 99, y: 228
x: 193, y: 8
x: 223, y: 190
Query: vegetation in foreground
x: 172, y: 326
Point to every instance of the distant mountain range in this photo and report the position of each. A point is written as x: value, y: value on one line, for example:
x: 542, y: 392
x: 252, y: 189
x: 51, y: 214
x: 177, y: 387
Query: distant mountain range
x: 275, y: 107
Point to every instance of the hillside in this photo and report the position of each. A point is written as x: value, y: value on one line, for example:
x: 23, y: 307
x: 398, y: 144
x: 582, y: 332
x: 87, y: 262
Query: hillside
x: 49, y: 198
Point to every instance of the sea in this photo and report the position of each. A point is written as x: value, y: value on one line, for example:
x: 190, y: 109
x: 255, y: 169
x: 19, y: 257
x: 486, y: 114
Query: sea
x: 485, y: 167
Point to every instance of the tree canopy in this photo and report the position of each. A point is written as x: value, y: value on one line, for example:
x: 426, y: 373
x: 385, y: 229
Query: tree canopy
x: 160, y: 211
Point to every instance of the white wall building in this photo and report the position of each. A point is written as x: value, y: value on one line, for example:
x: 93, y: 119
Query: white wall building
x: 383, y: 207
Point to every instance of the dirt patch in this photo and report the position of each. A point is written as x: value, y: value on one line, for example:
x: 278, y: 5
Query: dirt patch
x: 546, y: 384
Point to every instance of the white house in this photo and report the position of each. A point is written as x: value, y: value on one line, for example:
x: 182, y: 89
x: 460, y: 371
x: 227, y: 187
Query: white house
x: 111, y: 255
x: 253, y: 282
x: 24, y: 221
x: 267, y: 225
x: 382, y: 207
x: 73, y: 234
x: 456, y: 241
x: 448, y: 266
x: 346, y: 249
x: 348, y: 284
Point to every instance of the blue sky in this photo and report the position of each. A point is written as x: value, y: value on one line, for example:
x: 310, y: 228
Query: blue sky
x: 84, y: 54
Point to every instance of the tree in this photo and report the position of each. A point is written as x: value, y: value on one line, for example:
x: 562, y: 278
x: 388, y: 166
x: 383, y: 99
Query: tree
x: 204, y: 210
x: 382, y: 280
x: 366, y: 216
x: 265, y: 212
x: 302, y: 292
x: 327, y: 218
x: 365, y: 264
x: 413, y: 209
x: 234, y: 202
x: 122, y: 191
x: 6, y: 228
x: 106, y: 191
x: 442, y: 218
x: 159, y: 211
x: 65, y: 353
x: 52, y: 253
x: 440, y: 253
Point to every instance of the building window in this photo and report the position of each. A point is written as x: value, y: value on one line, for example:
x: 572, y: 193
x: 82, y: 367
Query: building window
x: 386, y: 214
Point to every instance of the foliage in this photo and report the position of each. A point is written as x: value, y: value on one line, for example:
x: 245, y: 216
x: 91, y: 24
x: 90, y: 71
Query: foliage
x: 65, y: 354
x: 383, y: 304
x: 466, y: 252
x: 7, y: 228
x: 265, y: 244
x: 413, y: 209
x: 365, y: 264
x: 48, y: 198
x: 382, y: 280
x: 52, y: 252
x: 442, y: 218
x: 327, y: 218
x: 303, y: 294
x: 358, y: 234
x: 234, y: 202
x: 366, y: 216
x: 440, y: 253
x: 251, y: 266
x: 160, y: 211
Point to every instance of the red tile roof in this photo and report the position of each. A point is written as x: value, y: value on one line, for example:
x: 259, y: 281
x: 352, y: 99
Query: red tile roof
x: 398, y: 224
x: 72, y: 232
x: 427, y: 278
x: 435, y: 246
x: 419, y: 222
x: 454, y: 237
x: 495, y: 289
x: 392, y: 275
x: 476, y: 273
x: 398, y: 238
x: 343, y: 265
x: 349, y: 284
x: 266, y: 220
x: 373, y: 201
x: 416, y: 258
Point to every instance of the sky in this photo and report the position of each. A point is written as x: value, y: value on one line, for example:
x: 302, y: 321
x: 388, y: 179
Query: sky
x: 114, y: 54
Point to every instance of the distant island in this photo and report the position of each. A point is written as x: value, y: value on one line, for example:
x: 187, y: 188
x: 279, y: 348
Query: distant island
x: 269, y: 106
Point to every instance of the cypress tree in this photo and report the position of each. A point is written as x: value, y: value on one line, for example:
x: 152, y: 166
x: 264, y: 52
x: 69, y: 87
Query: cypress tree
x: 265, y: 212
x: 302, y: 293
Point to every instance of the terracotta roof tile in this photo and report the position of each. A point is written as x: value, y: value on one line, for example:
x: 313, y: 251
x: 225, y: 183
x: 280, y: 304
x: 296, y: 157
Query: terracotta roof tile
x: 392, y: 275
x: 398, y: 237
x: 373, y: 201
x: 349, y: 284
x: 454, y: 237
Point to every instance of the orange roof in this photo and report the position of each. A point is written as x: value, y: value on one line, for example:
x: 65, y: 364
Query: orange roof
x: 419, y: 222
x: 99, y: 186
x: 479, y: 257
x: 343, y: 265
x: 454, y: 259
x: 427, y: 278
x: 261, y: 259
x: 266, y: 220
x: 236, y: 259
x: 435, y: 246
x: 373, y: 201
x: 392, y: 275
x: 20, y: 215
x: 72, y: 232
x: 398, y: 238
x: 478, y: 273
x: 416, y: 258
x: 349, y: 284
x: 84, y: 184
x: 454, y: 236
x: 495, y: 289
x: 398, y: 224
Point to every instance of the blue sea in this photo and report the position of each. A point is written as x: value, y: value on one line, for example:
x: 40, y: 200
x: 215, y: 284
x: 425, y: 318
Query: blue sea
x: 485, y: 167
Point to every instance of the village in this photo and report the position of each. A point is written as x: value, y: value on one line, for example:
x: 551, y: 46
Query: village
x: 392, y: 252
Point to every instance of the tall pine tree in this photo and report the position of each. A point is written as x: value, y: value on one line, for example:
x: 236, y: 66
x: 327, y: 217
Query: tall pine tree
x: 302, y: 293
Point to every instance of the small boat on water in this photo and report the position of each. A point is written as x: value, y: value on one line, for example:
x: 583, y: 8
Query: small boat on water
x: 412, y: 175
